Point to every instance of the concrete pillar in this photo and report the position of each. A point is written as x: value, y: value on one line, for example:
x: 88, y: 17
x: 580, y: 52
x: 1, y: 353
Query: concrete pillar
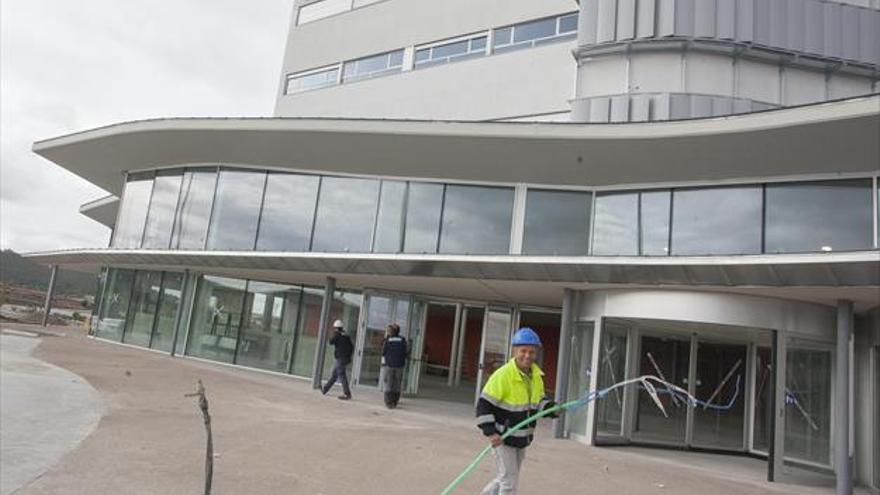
x: 563, y: 361
x: 842, y: 457
x: 318, y: 368
x: 179, y: 313
x: 776, y: 454
x: 50, y: 292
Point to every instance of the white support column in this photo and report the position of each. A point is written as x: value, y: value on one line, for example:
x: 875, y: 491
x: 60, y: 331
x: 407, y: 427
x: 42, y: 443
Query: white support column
x: 50, y: 292
x: 453, y: 351
x: 777, y: 445
x: 517, y: 227
x: 842, y: 450
x: 594, y: 381
x: 563, y: 361
x: 324, y: 322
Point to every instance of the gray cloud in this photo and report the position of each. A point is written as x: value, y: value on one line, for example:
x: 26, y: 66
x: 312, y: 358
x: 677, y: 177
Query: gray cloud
x: 72, y: 65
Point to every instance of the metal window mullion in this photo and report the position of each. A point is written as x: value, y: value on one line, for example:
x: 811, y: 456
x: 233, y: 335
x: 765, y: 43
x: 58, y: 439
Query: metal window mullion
x: 128, y: 318
x: 296, y: 324
x: 238, y: 336
x: 401, y: 241
x: 159, y: 298
x: 213, y: 207
x: 315, y: 213
x: 692, y: 389
x: 442, y: 214
x: 592, y: 226
x: 876, y: 214
x: 671, y: 215
x: 119, y: 211
x: 640, y: 249
x: 262, y: 204
x: 763, y: 218
x: 177, y: 208
x: 149, y: 207
x: 376, y: 216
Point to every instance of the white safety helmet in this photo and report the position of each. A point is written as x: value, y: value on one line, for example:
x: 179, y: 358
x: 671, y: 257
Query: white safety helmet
x: 338, y: 324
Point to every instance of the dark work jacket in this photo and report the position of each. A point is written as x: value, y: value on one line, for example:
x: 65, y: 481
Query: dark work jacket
x: 394, y: 351
x: 344, y: 347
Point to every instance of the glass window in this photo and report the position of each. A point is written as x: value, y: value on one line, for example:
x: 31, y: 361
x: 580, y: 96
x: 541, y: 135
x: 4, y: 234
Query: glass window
x: 568, y: 23
x: 346, y: 213
x: 819, y: 216
x: 579, y: 376
x: 321, y: 9
x: 194, y: 209
x: 478, y: 44
x: 532, y: 33
x: 611, y: 369
x: 763, y: 400
x: 133, y: 211
x: 808, y: 406
x: 163, y: 204
x: 655, y: 223
x: 454, y: 50
x: 297, y: 83
x: 502, y: 36
x: 476, y: 220
x: 288, y: 212
x: 169, y: 302
x: 267, y: 330
x: 557, y: 222
x: 145, y: 300
x: 533, y: 30
x: 346, y: 306
x: 216, y: 319
x: 389, y: 224
x: 423, y: 218
x: 114, y: 306
x: 616, y: 231
x: 236, y: 210
x: 307, y: 332
x: 376, y: 65
x: 721, y: 220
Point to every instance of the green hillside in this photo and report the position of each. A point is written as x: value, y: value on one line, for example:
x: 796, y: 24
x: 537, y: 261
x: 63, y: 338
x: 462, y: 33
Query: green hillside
x: 16, y: 270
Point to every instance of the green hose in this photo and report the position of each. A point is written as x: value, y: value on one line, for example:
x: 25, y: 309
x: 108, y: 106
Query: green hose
x: 467, y: 471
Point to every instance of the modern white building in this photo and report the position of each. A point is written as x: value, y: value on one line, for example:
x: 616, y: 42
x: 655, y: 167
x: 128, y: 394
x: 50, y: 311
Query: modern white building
x: 685, y: 188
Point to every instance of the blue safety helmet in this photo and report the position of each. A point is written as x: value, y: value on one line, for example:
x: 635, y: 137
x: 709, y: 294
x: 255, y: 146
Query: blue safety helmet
x: 526, y: 336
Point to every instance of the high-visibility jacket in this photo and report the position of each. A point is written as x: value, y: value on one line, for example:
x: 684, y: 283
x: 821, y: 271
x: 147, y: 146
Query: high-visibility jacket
x: 509, y: 397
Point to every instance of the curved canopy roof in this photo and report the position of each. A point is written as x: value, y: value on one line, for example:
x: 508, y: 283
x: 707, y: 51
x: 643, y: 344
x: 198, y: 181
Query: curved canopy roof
x: 814, y: 139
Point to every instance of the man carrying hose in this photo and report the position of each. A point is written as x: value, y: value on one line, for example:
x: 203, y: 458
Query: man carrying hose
x: 514, y: 392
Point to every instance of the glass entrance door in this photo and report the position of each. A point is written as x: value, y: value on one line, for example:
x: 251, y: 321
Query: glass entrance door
x: 720, y: 381
x: 495, y: 349
x: 667, y: 358
x: 381, y: 311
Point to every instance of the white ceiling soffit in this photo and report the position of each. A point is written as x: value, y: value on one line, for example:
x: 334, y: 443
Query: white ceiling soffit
x: 823, y: 138
x: 102, y: 210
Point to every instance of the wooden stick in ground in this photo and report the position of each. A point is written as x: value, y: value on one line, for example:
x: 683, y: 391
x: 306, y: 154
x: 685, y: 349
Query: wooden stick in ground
x: 209, y: 447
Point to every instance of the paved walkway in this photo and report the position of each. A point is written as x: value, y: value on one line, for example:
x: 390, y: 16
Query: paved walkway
x: 273, y: 434
x: 45, y: 411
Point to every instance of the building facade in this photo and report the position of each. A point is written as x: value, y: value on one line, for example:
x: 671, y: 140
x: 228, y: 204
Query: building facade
x: 681, y: 188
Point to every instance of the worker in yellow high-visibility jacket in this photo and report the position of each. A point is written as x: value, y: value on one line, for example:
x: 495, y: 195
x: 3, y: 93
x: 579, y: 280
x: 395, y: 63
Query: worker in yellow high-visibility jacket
x: 514, y: 392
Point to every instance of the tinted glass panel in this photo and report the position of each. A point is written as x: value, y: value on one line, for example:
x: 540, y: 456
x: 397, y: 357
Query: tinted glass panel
x: 568, y: 23
x: 476, y: 220
x: 557, y: 222
x: 169, y: 301
x: 163, y: 204
x: 819, y: 216
x: 808, y: 406
x: 216, y: 319
x: 288, y: 212
x: 617, y: 224
x: 423, y: 218
x: 194, y: 209
x: 267, y: 333
x: 236, y: 210
x: 114, y: 306
x: 133, y: 212
x: 723, y: 220
x: 389, y: 225
x: 145, y: 300
x: 346, y: 213
x: 307, y: 332
x: 314, y: 80
x: 346, y: 306
x: 655, y: 223
x: 450, y: 49
x: 502, y: 36
x: 534, y: 30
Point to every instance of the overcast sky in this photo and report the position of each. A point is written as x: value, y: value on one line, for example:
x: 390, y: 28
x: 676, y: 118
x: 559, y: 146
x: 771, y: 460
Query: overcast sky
x: 71, y: 65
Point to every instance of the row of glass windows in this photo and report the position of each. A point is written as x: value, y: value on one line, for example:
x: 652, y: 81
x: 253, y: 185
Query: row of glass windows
x: 325, y: 8
x: 522, y: 35
x: 243, y: 210
x: 258, y: 324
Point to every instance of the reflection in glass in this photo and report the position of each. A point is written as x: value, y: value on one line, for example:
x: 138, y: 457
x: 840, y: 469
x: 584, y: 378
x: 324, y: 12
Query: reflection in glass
x: 163, y: 204
x: 612, y: 369
x: 307, y: 332
x: 719, y: 366
x: 389, y: 223
x: 476, y: 220
x: 169, y: 302
x: 579, y: 375
x: 133, y: 211
x: 288, y: 212
x: 616, y: 231
x: 346, y: 213
x: 720, y: 220
x: 382, y: 312
x: 194, y: 209
x: 236, y: 210
x: 346, y: 306
x: 267, y: 331
x: 557, y: 222
x: 763, y: 400
x: 819, y: 216
x: 216, y: 318
x: 496, y: 343
x: 655, y: 223
x: 808, y: 406
x: 423, y: 218
x: 145, y: 299
x: 667, y: 358
x: 114, y: 306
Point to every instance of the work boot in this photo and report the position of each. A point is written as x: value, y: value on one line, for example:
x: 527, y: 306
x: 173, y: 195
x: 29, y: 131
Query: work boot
x: 344, y: 397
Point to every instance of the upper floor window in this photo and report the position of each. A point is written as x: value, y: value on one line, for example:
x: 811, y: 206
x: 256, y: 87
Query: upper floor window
x: 373, y: 66
x: 451, y: 51
x: 321, y: 9
x: 312, y: 79
x: 532, y: 33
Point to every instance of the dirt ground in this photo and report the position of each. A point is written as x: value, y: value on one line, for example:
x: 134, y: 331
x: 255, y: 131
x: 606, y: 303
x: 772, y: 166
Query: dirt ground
x: 274, y: 434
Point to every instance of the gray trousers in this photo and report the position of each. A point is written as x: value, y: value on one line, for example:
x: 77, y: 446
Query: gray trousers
x: 509, y: 462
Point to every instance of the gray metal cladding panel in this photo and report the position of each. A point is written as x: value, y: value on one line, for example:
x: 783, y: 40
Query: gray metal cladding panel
x: 679, y: 106
x: 684, y: 17
x: 869, y: 36
x: 704, y: 18
x: 833, y: 36
x: 599, y: 109
x: 779, y: 23
x: 640, y: 108
x: 587, y: 22
x: 626, y: 19
x: 745, y: 20
x: 645, y: 12
x: 722, y: 105
x: 665, y: 17
x: 607, y: 10
x: 701, y: 106
x: 725, y: 15
x: 814, y: 27
x: 796, y: 13
x: 850, y: 21
x: 763, y: 18
x: 620, y: 108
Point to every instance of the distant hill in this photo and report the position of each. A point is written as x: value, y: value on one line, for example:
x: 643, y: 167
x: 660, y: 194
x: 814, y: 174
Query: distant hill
x: 16, y: 270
